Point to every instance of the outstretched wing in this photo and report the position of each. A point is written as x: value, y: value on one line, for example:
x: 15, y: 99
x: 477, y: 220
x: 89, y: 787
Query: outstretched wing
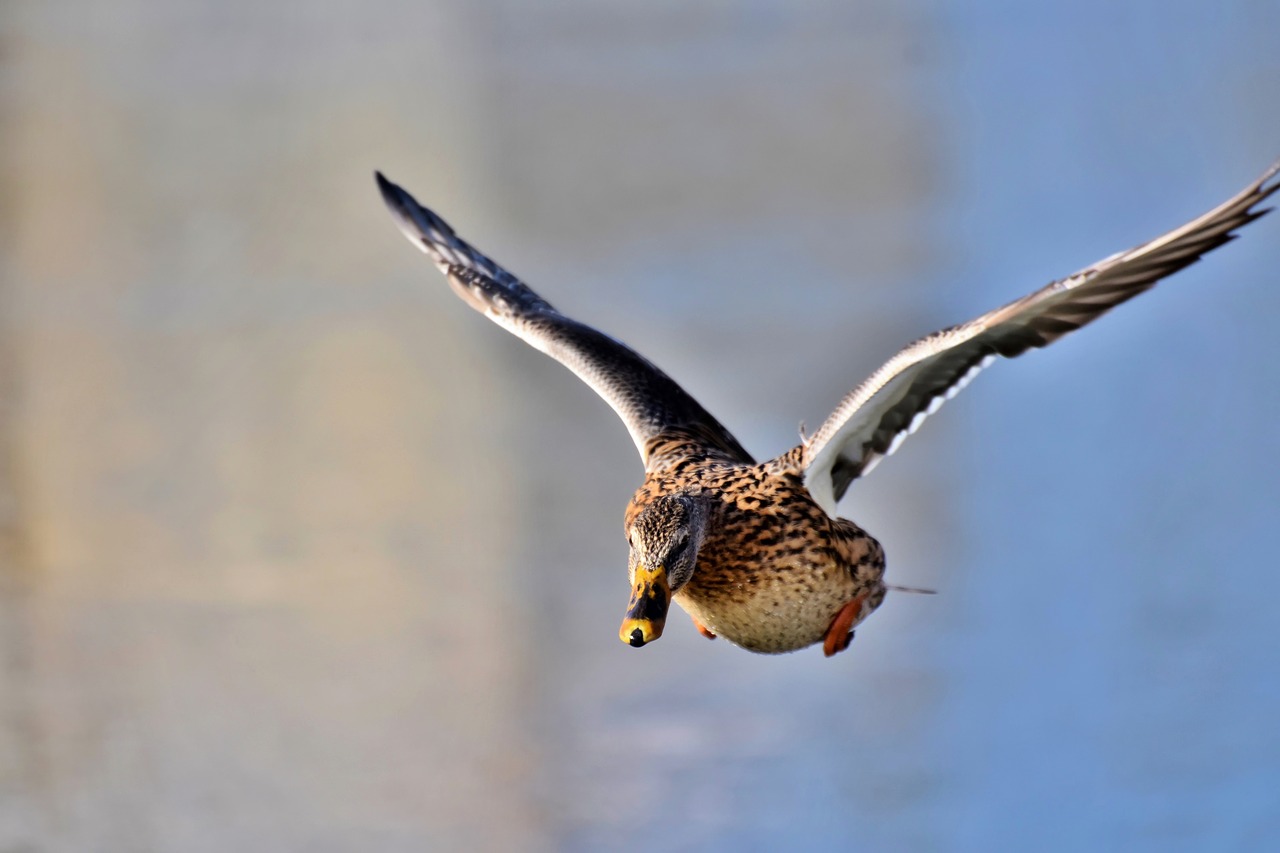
x: 874, y: 418
x: 649, y: 402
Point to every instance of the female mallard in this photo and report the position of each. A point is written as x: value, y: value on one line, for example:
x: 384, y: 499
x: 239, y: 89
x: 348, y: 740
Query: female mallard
x: 755, y: 552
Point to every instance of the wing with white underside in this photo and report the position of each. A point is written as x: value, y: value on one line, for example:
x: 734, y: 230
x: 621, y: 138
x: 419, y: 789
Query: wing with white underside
x: 875, y: 417
x: 649, y: 402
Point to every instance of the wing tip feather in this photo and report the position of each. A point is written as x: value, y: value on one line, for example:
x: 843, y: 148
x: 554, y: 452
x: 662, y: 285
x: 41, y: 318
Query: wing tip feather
x: 393, y: 195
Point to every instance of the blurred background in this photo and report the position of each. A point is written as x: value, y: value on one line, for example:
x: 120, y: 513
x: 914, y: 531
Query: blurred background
x: 299, y: 553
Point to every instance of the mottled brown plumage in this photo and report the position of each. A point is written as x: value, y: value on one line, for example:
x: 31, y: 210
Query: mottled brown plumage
x: 755, y: 552
x: 773, y: 568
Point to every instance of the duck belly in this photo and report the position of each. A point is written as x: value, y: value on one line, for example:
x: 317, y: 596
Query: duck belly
x: 783, y: 610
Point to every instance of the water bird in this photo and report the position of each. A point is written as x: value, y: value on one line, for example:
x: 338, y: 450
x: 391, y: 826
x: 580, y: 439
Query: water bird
x: 755, y: 551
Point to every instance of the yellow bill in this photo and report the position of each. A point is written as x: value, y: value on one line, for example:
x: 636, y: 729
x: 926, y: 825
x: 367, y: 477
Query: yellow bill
x: 647, y: 610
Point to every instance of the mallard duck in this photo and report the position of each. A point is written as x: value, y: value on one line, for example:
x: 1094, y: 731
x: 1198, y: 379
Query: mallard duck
x: 754, y: 551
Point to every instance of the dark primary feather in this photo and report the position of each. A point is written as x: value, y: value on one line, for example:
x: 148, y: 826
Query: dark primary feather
x: 651, y: 404
x: 873, y: 419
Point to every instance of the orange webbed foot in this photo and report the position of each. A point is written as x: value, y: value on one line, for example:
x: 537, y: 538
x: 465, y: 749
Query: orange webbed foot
x: 839, y: 635
x: 703, y: 629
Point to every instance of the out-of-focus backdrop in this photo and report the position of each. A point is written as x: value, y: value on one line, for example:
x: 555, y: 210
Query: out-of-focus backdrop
x: 299, y: 553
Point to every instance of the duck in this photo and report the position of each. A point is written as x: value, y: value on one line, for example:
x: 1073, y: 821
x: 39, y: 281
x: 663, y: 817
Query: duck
x: 756, y: 552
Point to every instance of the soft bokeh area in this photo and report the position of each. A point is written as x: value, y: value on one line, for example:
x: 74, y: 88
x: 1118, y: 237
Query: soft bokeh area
x: 298, y: 553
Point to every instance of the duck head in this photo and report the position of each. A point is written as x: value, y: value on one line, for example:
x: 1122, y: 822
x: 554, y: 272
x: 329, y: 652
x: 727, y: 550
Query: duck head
x: 664, y: 539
